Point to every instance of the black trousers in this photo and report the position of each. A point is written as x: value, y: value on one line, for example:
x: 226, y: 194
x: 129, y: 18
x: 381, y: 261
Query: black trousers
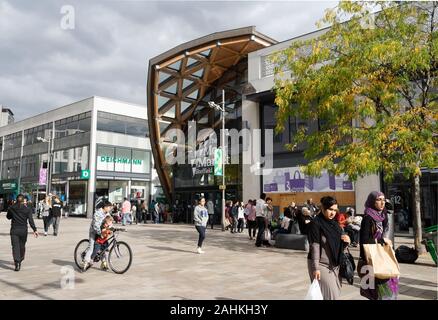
x: 240, y: 223
x: 261, y: 230
x: 18, y: 241
x: 201, y: 231
x: 252, y: 227
x: 211, y: 220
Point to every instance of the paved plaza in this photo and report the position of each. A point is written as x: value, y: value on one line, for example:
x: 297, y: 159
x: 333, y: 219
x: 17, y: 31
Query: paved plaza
x: 165, y: 266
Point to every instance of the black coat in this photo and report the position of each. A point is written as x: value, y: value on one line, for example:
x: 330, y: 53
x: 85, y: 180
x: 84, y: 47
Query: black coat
x: 20, y: 214
x: 367, y: 229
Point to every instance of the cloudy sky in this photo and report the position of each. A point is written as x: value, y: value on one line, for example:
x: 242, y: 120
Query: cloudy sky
x: 43, y: 66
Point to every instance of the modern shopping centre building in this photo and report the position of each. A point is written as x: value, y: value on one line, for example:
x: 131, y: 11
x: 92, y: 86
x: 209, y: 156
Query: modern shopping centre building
x: 184, y: 79
x: 94, y: 147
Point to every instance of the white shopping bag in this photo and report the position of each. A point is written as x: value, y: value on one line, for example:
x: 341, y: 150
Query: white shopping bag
x: 314, y: 292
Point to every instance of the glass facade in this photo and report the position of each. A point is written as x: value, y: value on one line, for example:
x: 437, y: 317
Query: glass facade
x: 11, y: 169
x: 13, y: 141
x: 123, y: 159
x: 122, y: 124
x: 31, y: 135
x: 72, y: 125
x: 70, y: 160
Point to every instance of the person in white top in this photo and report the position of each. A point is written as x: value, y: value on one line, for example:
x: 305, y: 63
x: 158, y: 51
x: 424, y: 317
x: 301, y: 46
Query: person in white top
x: 240, y: 217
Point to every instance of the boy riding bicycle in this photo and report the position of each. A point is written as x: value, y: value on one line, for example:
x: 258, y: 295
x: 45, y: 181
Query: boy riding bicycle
x: 101, y: 241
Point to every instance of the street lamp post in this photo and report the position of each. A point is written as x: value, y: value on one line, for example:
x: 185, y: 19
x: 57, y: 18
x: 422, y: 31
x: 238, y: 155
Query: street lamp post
x: 222, y: 110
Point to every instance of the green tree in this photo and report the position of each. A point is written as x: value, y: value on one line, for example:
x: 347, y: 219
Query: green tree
x: 371, y: 81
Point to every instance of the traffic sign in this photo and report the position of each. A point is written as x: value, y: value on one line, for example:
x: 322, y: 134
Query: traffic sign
x: 222, y: 187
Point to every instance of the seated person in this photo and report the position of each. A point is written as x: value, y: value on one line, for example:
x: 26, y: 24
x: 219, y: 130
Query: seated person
x: 304, y: 218
x: 352, y: 227
x: 285, y: 224
x: 101, y: 243
x: 341, y: 218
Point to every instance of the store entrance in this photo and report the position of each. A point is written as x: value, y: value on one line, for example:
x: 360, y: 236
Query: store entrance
x: 186, y: 201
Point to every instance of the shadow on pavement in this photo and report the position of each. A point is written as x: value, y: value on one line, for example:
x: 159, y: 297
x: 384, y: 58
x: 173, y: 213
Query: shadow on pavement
x: 26, y: 290
x: 63, y: 263
x: 7, y: 265
x: 170, y: 249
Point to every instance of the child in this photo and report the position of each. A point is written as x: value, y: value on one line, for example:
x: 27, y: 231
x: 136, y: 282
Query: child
x: 101, y: 243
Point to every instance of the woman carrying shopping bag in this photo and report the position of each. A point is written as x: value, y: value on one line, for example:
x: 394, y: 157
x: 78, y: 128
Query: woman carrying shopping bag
x: 327, y: 243
x: 374, y: 229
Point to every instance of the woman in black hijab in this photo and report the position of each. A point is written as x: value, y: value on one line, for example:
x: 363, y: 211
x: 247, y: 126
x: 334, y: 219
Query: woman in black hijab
x: 327, y: 243
x: 20, y: 214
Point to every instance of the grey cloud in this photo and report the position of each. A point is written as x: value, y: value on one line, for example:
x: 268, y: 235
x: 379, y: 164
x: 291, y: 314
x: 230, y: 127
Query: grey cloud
x: 43, y: 66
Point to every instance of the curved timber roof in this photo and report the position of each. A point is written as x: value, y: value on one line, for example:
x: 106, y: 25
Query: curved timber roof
x: 180, y: 79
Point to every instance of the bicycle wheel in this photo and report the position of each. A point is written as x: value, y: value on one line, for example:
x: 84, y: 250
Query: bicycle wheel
x: 80, y: 250
x: 120, y: 257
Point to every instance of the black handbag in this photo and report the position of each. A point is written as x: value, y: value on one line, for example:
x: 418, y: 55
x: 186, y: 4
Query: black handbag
x: 347, y: 267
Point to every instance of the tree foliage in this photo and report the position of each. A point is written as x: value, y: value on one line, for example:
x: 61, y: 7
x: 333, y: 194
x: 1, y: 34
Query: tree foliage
x: 372, y: 83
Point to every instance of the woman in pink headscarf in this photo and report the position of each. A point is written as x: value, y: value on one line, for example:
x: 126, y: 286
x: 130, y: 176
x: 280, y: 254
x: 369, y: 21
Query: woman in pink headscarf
x: 375, y: 227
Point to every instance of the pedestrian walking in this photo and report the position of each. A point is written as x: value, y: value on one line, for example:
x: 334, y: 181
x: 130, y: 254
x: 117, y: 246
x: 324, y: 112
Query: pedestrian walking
x: 240, y: 217
x: 20, y: 215
x: 126, y: 211
x: 144, y: 212
x: 210, y: 209
x: 46, y: 210
x: 312, y: 207
x: 251, y: 219
x: 374, y: 227
x: 200, y: 215
x: 327, y: 243
x: 56, y: 212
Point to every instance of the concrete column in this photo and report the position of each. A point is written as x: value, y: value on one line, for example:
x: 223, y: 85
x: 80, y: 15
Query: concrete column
x: 363, y: 187
x: 251, y: 182
x: 92, y: 162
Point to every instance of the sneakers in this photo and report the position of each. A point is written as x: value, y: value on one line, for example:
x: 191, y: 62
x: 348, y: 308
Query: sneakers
x: 199, y: 250
x: 45, y: 234
x: 104, y: 266
x: 86, y: 266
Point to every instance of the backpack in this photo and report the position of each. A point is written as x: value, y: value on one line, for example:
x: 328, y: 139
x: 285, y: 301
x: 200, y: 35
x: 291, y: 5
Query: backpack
x: 404, y: 254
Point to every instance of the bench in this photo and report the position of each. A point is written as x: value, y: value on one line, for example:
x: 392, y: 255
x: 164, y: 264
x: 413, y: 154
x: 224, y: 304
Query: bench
x: 292, y: 241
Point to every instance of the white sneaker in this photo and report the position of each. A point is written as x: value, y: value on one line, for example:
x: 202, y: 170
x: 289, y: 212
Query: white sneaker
x: 45, y: 233
x: 200, y: 250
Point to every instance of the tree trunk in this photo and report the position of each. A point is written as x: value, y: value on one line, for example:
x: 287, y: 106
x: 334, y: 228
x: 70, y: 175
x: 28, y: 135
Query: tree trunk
x: 418, y: 232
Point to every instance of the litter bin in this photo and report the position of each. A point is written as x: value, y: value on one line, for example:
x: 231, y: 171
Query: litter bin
x: 430, y: 241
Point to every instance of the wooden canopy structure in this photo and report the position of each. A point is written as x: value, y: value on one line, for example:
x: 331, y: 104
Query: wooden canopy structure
x: 181, y: 80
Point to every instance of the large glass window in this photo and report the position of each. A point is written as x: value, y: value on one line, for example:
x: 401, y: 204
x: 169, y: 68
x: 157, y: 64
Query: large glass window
x: 31, y: 135
x: 72, y: 125
x: 122, y: 124
x: 123, y: 159
x: 13, y: 140
x: 70, y: 160
x: 11, y: 169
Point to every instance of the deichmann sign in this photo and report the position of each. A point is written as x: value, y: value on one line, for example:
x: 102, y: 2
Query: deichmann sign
x: 120, y: 160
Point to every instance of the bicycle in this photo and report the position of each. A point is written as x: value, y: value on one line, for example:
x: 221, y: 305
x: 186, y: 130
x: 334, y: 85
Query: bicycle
x: 119, y: 258
x: 431, y: 242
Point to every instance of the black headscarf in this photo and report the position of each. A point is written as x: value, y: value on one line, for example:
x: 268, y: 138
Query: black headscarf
x: 332, y: 232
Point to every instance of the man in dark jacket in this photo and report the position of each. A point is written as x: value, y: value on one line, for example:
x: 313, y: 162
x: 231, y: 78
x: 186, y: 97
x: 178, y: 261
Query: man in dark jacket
x: 19, y: 214
x: 56, y: 212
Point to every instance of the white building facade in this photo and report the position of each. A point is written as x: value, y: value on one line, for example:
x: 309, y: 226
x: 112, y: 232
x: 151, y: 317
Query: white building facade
x: 88, y: 149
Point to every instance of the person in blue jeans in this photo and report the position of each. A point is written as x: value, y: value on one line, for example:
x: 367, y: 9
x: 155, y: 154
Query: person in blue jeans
x: 201, y: 218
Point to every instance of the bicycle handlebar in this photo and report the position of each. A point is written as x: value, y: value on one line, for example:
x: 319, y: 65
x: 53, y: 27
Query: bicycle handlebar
x: 118, y: 229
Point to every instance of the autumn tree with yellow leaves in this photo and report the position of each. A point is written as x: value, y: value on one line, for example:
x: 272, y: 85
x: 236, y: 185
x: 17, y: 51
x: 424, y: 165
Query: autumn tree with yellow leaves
x: 371, y: 80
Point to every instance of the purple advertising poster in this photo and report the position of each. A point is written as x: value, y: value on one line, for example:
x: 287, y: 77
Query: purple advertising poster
x: 267, y: 188
x: 43, y: 176
x: 274, y: 187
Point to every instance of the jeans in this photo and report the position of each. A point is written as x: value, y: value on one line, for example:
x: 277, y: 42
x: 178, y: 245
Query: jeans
x: 156, y: 217
x: 139, y: 216
x: 18, y: 241
x: 99, y: 247
x: 127, y: 216
x: 252, y: 226
x: 46, y: 221
x: 55, y: 224
x: 211, y: 220
x: 90, y: 248
x: 201, y: 231
x: 240, y: 224
x: 261, y: 229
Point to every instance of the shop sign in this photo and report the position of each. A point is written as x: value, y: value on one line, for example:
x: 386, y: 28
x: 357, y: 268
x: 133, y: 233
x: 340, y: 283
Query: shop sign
x: 120, y: 160
x: 7, y: 187
x: 43, y: 176
x: 85, y: 174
